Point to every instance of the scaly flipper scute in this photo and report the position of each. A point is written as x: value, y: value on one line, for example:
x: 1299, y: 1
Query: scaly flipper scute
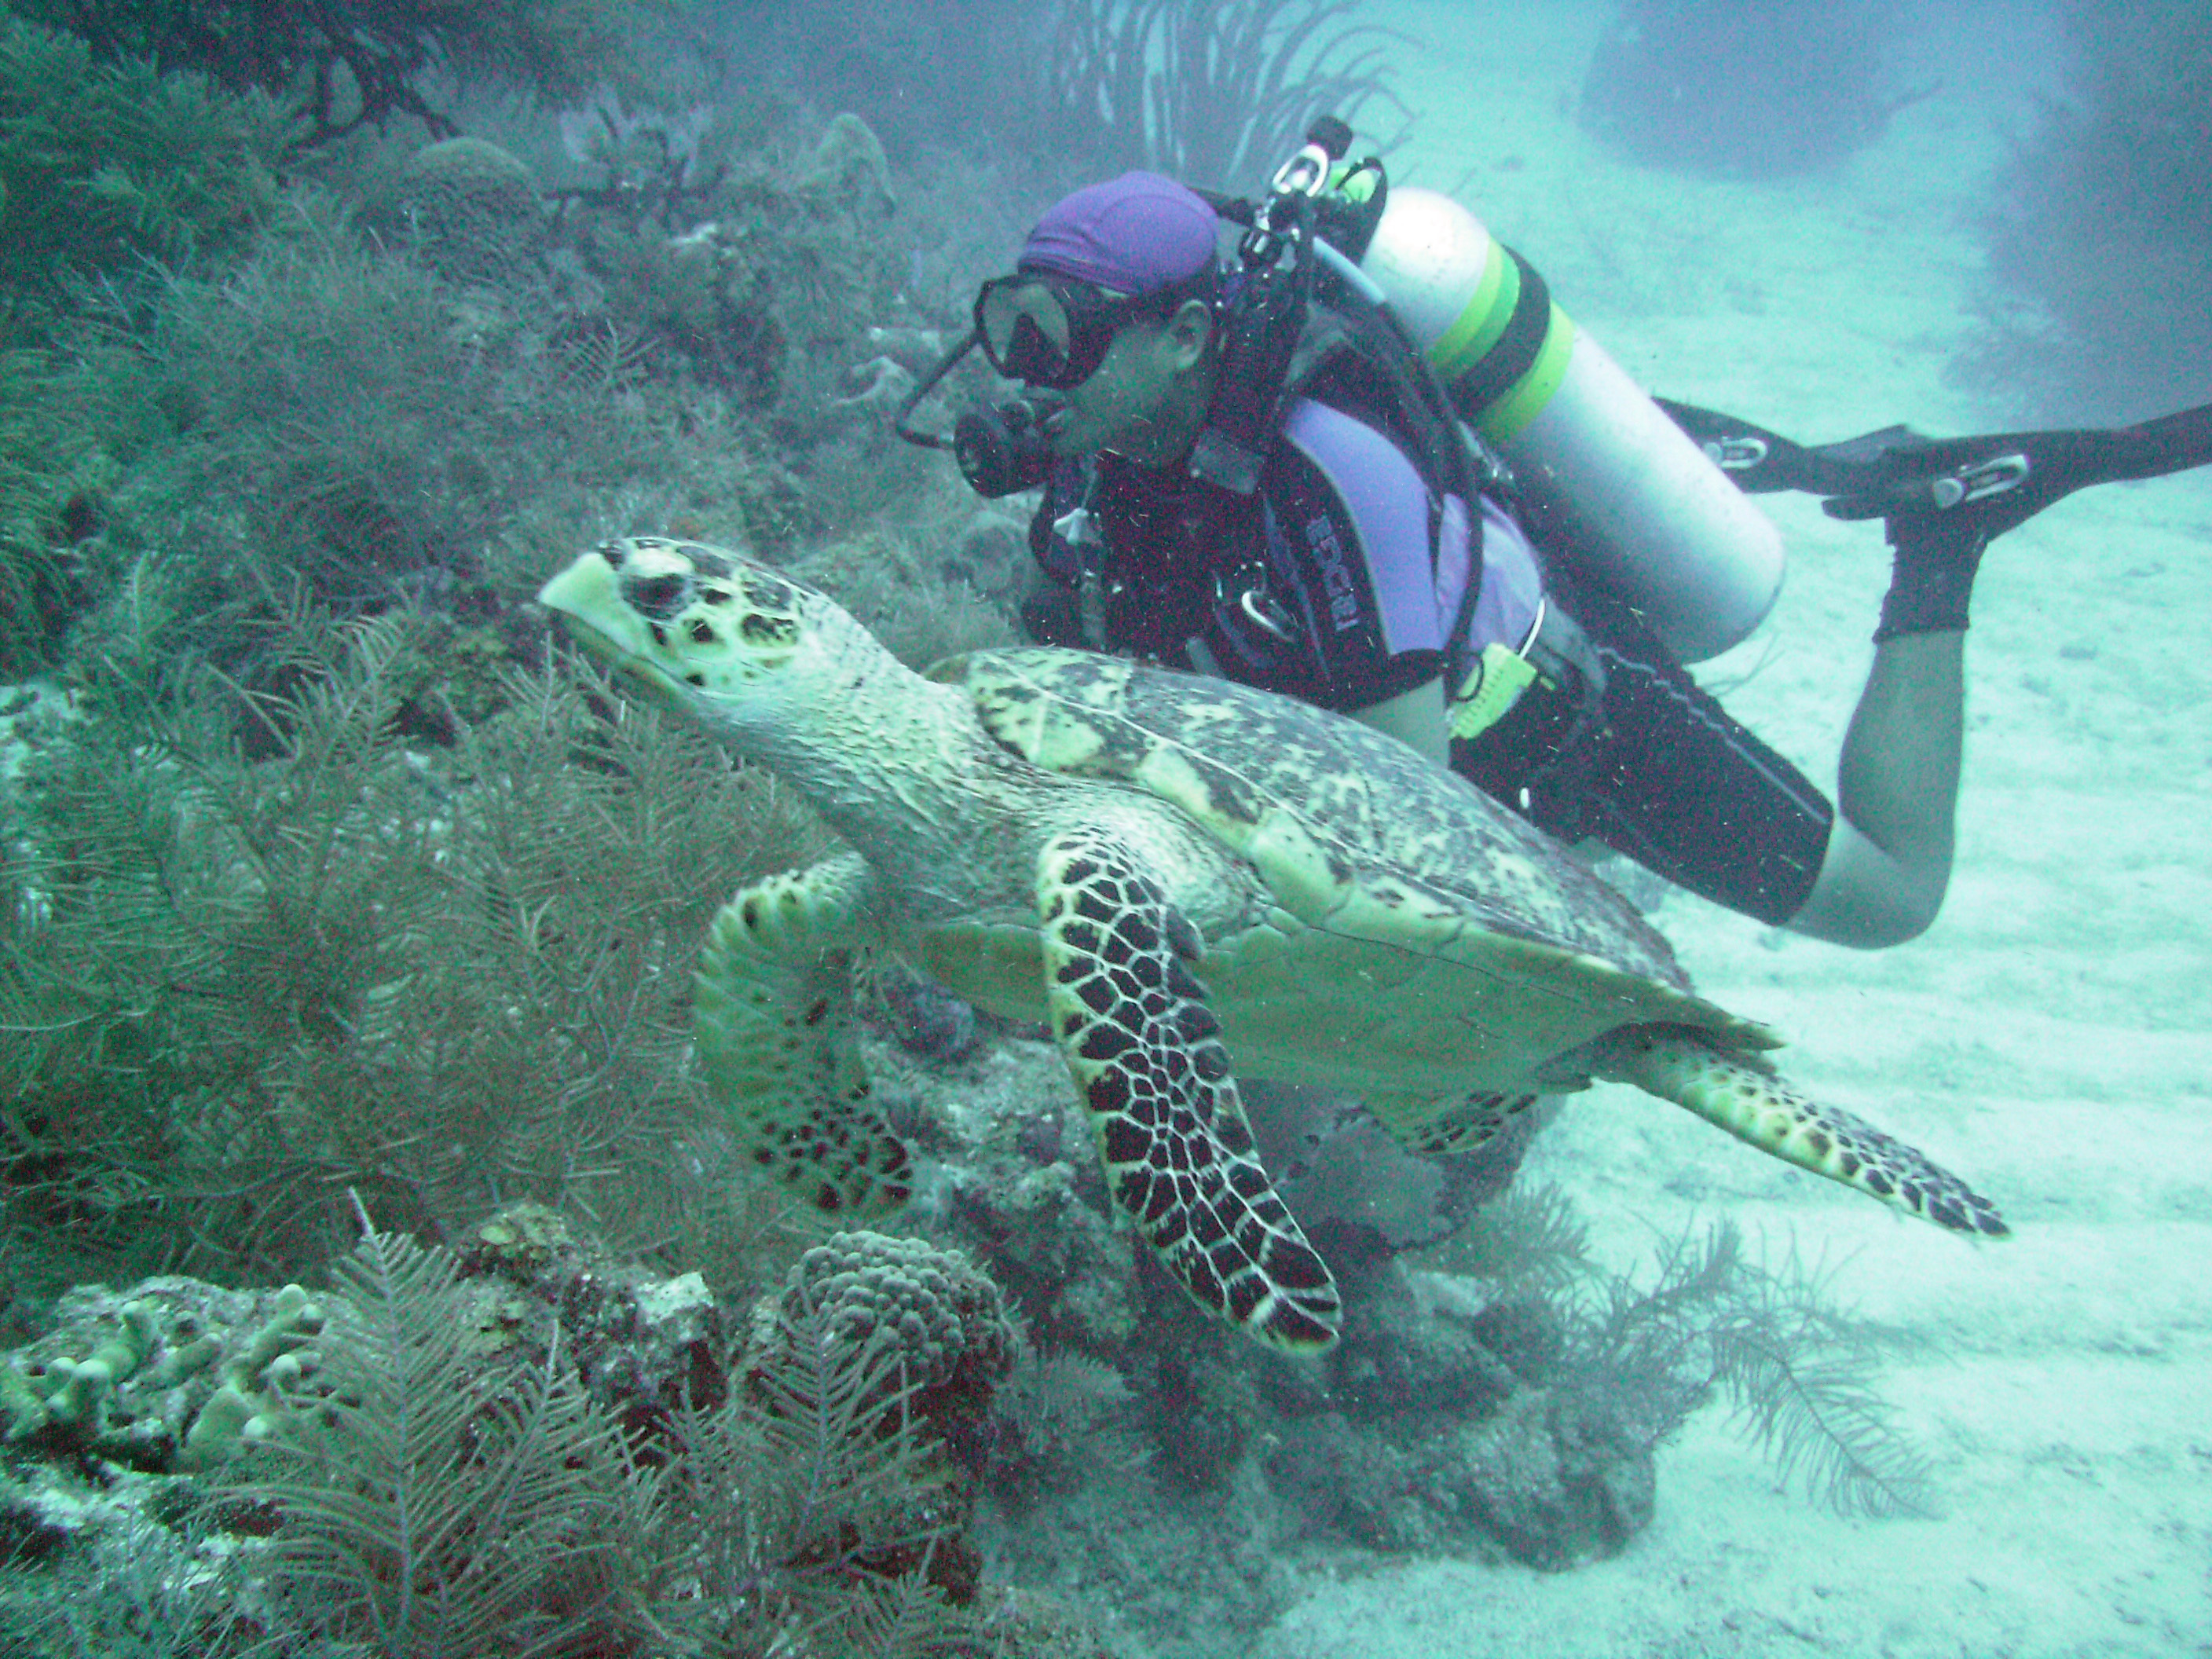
x: 1148, y: 1061
x: 1680, y: 1065
x: 773, y: 1016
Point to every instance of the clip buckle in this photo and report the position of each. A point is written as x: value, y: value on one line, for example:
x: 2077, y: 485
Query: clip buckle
x: 1736, y: 454
x: 1303, y: 175
x: 1258, y: 604
x: 1981, y: 481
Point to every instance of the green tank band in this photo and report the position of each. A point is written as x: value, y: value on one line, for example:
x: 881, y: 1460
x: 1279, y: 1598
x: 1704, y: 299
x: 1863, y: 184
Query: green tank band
x: 1355, y: 181
x: 1484, y: 320
x: 1525, y: 399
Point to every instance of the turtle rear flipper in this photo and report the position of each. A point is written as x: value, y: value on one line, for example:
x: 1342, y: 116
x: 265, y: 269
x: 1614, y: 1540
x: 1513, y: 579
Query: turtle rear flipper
x: 1147, y: 1058
x: 1456, y: 1125
x: 1750, y: 1103
x: 772, y: 1012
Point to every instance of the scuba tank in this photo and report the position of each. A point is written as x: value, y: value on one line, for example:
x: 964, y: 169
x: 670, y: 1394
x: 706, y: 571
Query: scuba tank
x: 1607, y: 479
x: 1461, y: 330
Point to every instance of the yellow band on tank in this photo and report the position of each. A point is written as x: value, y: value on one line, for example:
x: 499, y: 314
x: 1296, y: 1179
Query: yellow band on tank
x: 1525, y: 399
x: 1482, y: 320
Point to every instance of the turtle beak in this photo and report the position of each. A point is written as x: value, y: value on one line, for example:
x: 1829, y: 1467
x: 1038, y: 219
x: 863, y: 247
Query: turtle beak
x: 588, y: 599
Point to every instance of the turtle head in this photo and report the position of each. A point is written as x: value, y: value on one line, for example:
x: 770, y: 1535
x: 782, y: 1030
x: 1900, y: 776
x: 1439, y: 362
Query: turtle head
x: 706, y: 629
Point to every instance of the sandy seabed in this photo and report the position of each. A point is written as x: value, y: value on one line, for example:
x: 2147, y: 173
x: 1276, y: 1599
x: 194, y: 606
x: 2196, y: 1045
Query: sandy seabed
x: 2049, y: 1037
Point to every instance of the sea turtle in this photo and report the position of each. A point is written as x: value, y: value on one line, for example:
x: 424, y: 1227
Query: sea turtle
x: 1168, y: 870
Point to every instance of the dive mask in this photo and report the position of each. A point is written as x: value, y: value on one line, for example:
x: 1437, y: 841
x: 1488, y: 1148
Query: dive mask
x: 1051, y: 331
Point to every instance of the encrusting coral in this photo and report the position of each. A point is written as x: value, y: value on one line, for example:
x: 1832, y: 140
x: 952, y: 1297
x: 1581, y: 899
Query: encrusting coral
x: 176, y: 1375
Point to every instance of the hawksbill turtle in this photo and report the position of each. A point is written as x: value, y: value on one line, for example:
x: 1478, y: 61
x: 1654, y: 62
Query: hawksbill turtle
x: 1169, y: 871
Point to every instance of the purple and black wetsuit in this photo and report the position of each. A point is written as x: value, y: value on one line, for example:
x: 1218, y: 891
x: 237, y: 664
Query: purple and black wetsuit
x: 1342, y: 585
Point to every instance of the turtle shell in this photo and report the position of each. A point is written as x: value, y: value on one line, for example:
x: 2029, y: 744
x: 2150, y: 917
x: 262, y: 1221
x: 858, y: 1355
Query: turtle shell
x: 1321, y: 804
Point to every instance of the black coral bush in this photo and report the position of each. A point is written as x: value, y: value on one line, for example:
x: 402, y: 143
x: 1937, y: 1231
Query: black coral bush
x: 457, y: 1492
x: 443, y: 1502
x: 235, y: 988
x: 1800, y: 1376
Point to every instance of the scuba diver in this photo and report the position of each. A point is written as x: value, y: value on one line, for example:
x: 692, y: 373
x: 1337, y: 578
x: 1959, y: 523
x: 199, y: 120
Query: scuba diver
x: 1365, y: 461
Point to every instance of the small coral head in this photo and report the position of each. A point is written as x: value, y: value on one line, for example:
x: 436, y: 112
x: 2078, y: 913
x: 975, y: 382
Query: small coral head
x: 702, y: 626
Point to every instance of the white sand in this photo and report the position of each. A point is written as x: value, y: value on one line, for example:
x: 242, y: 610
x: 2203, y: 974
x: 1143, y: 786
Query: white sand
x: 2048, y: 1038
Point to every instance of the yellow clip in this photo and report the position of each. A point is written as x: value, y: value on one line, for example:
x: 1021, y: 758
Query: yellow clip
x: 1495, y: 684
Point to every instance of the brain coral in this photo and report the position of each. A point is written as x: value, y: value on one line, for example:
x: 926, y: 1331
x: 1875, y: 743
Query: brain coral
x: 951, y: 1329
x: 471, y: 211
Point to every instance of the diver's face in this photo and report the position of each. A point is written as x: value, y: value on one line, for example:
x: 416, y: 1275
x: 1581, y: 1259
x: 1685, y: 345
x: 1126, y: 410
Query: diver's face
x: 1147, y: 398
x: 1128, y: 403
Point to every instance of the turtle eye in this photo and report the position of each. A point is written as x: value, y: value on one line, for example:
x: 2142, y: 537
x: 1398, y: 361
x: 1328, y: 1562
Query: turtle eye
x: 657, y: 597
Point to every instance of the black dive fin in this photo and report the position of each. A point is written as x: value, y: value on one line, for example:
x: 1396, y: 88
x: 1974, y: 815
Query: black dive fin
x: 2007, y: 479
x: 2001, y: 480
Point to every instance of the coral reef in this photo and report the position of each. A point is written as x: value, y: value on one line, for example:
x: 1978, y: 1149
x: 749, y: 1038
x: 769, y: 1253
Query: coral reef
x: 752, y: 271
x: 324, y: 910
x: 1743, y: 88
x: 531, y: 1448
x: 1431, y: 1437
x: 438, y: 977
x: 2102, y: 230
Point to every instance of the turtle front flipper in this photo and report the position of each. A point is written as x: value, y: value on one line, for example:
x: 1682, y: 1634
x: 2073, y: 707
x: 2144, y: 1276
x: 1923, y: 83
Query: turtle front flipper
x: 1680, y: 1065
x: 1147, y: 1058
x: 772, y: 1012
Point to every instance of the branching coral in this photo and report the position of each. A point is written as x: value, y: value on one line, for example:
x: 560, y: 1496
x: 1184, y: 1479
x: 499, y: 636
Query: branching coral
x: 102, y: 164
x: 49, y: 464
x: 353, y: 62
x: 1800, y: 1375
x: 1215, y: 94
x: 253, y: 984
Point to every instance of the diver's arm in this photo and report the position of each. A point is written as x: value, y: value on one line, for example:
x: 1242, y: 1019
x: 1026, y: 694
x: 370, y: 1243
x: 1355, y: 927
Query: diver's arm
x: 1415, y: 718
